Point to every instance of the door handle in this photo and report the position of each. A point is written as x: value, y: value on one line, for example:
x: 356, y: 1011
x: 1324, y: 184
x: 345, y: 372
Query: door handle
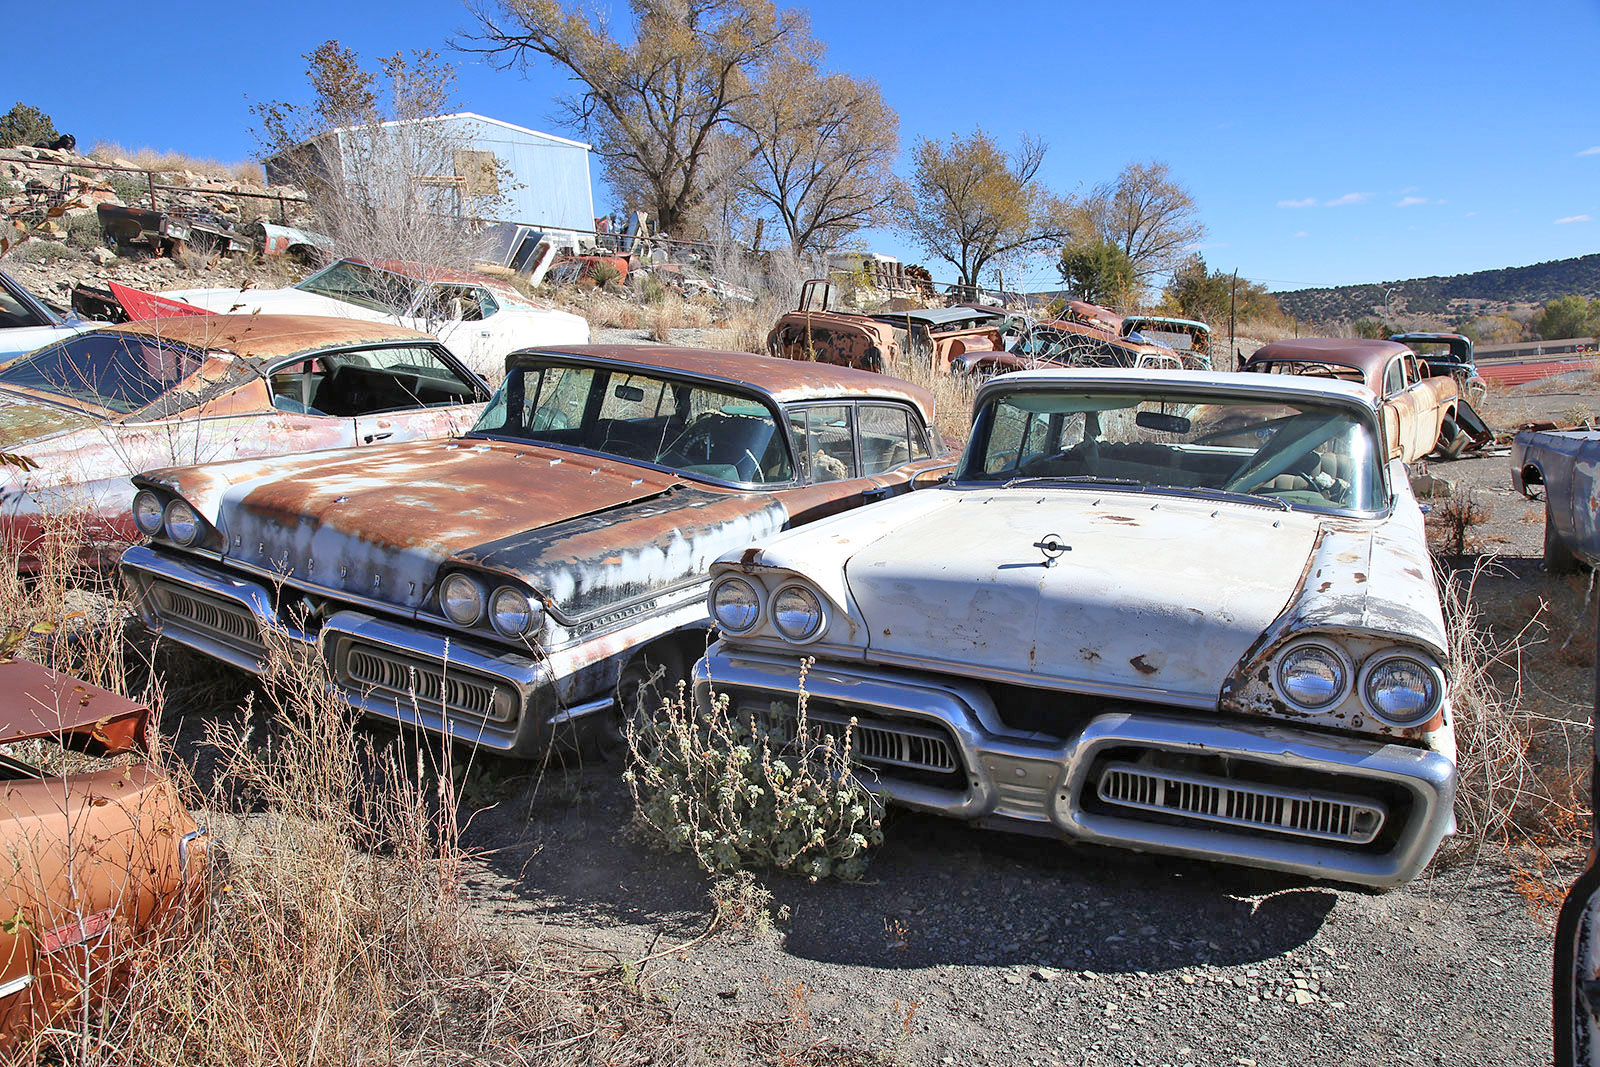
x: 371, y: 437
x: 876, y: 493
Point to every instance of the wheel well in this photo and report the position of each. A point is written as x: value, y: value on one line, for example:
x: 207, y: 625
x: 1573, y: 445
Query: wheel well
x: 1532, y: 475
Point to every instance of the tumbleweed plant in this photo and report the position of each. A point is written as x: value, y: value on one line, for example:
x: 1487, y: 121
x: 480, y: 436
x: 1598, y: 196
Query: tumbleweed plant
x: 740, y: 790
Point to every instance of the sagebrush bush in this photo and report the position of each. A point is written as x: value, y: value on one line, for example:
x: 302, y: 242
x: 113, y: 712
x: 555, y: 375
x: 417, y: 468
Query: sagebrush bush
x: 739, y: 792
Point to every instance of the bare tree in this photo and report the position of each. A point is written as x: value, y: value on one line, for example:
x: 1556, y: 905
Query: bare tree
x: 1147, y: 214
x: 973, y: 206
x: 384, y: 182
x: 820, y: 146
x: 653, y: 107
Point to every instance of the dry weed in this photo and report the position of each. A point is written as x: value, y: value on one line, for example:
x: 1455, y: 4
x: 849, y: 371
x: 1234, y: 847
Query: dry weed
x: 169, y: 162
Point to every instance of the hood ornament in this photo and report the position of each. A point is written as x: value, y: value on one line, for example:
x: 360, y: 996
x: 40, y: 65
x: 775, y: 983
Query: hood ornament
x: 1052, y: 548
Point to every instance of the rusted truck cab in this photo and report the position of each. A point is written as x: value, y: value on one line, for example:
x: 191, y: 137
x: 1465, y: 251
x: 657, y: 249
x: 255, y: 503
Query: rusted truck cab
x: 533, y: 574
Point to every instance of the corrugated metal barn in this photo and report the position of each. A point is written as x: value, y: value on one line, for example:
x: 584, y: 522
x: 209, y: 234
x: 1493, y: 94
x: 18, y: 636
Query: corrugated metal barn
x: 543, y: 179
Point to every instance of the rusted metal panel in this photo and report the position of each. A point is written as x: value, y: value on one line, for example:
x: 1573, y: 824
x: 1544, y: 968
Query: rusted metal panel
x: 36, y: 701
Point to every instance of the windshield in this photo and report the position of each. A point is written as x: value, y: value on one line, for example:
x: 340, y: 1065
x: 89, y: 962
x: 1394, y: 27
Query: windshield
x: 122, y: 372
x: 1297, y: 454
x: 361, y: 285
x: 693, y: 428
x: 1439, y: 351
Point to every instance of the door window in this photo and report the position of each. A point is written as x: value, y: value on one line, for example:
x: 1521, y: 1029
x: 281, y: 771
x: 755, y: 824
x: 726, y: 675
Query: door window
x: 825, y: 442
x: 890, y: 438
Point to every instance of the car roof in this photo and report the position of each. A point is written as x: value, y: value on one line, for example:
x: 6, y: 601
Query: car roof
x: 1366, y: 356
x: 1265, y: 385
x: 785, y: 380
x: 267, y: 336
x: 939, y: 316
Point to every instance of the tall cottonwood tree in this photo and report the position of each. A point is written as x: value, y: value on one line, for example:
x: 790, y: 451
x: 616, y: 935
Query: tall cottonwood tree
x: 973, y: 205
x: 820, y: 150
x: 1147, y: 214
x: 653, y: 107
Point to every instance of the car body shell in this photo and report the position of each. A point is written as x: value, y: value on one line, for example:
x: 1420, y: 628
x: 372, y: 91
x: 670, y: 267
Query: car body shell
x: 1447, y: 353
x: 1000, y: 647
x: 76, y: 456
x: 1420, y: 410
x: 92, y: 860
x: 453, y: 305
x: 881, y: 342
x: 615, y: 552
x: 1562, y: 467
x: 26, y: 323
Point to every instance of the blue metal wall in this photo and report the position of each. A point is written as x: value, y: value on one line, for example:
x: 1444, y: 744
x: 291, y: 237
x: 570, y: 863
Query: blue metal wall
x: 550, y: 176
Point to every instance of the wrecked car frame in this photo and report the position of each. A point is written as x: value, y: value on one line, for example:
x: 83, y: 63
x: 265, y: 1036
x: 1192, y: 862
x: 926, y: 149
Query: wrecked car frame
x: 1561, y: 466
x: 542, y: 567
x: 1039, y: 646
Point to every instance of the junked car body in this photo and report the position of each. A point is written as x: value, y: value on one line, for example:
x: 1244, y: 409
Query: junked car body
x: 1178, y: 612
x: 480, y: 319
x: 886, y: 341
x: 518, y: 579
x: 26, y: 322
x: 1563, y: 467
x: 1447, y: 353
x: 86, y: 413
x: 88, y: 859
x: 1189, y: 338
x: 1422, y: 411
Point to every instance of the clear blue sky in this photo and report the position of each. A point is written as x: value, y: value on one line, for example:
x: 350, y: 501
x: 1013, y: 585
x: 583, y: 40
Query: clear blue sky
x: 1324, y: 144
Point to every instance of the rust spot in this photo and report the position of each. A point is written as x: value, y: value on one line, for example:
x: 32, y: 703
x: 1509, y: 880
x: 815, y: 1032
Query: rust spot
x: 1141, y: 666
x: 1360, y: 577
x: 1324, y: 587
x: 1126, y: 520
x: 749, y: 559
x: 1414, y: 572
x: 1089, y: 655
x: 886, y: 631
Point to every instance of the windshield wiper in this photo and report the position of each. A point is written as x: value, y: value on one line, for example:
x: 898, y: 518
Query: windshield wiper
x: 1075, y: 479
x: 1228, y: 494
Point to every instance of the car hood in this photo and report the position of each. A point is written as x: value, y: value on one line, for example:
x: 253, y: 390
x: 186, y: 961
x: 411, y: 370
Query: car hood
x: 1158, y: 596
x: 380, y: 522
x: 274, y: 302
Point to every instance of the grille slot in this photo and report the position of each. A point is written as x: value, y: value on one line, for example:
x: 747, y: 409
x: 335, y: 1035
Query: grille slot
x: 407, y: 680
x: 232, y: 623
x: 1325, y: 816
x: 879, y: 742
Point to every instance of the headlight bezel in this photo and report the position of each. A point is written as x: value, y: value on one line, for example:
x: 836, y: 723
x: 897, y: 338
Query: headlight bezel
x: 818, y: 627
x: 479, y: 592
x: 530, y: 610
x: 758, y: 594
x: 1345, y: 668
x: 1431, y: 669
x: 149, y: 496
x: 173, y: 508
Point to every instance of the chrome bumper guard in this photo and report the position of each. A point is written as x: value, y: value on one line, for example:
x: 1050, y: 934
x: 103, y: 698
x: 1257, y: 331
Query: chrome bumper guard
x: 381, y: 668
x: 1388, y: 810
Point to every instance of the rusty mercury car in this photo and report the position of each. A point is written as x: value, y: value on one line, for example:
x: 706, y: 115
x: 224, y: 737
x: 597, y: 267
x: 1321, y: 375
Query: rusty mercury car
x: 1561, y: 466
x: 519, y: 578
x: 480, y: 319
x: 1175, y: 611
x: 86, y: 413
x: 88, y: 859
x: 1425, y: 414
x: 1448, y: 353
x: 886, y: 341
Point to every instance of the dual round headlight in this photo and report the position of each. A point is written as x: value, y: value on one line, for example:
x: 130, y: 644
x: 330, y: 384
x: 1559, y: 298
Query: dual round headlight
x: 1312, y: 676
x: 176, y: 519
x: 463, y: 600
x: 511, y: 612
x: 795, y: 609
x: 1402, y: 690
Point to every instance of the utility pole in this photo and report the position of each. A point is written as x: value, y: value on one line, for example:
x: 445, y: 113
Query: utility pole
x: 1233, y: 306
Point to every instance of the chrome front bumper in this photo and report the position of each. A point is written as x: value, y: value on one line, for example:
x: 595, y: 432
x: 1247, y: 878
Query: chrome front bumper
x: 479, y: 695
x: 1374, y: 815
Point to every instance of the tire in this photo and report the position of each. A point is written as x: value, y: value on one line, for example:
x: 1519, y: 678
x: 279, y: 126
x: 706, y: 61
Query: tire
x: 1558, y: 558
x: 650, y: 677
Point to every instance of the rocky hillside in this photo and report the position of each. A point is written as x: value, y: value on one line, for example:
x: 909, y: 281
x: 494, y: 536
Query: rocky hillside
x: 1453, y: 298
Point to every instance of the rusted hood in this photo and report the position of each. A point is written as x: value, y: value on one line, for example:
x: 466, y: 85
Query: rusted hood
x: 24, y: 419
x: 1156, y: 595
x: 378, y: 522
x: 38, y: 702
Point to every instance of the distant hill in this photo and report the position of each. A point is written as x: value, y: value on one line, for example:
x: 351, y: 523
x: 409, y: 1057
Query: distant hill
x: 1452, y: 298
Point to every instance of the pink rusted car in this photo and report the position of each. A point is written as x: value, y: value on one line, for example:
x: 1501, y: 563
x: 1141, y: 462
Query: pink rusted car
x: 79, y: 417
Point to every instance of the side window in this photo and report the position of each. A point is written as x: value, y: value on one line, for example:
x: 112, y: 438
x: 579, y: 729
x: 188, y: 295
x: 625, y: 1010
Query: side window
x: 1394, y: 378
x: 824, y: 441
x: 890, y: 438
x: 294, y: 385
x: 487, y: 304
x: 454, y: 303
x: 394, y: 378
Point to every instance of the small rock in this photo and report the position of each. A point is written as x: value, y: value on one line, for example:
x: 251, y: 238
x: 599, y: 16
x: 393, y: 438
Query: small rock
x: 1045, y: 974
x: 1301, y: 996
x: 1013, y: 978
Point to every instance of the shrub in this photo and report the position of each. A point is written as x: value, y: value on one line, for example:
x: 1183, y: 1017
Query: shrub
x: 604, y: 273
x: 738, y: 791
x: 83, y: 231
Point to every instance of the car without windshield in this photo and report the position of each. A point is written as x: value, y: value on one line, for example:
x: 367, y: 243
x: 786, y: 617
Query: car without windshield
x: 1561, y: 467
x: 480, y: 319
x: 517, y: 579
x: 1177, y: 612
x: 86, y: 413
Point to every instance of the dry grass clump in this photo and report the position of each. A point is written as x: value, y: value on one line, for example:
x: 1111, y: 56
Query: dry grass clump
x: 952, y: 397
x: 744, y: 329
x: 170, y: 162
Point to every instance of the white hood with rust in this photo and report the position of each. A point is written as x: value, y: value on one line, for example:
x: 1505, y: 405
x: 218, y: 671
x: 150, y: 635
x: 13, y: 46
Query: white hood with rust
x: 1157, y: 595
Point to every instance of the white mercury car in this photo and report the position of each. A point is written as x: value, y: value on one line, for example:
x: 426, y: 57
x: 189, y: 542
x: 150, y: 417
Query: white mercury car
x: 1178, y: 612
x: 480, y: 319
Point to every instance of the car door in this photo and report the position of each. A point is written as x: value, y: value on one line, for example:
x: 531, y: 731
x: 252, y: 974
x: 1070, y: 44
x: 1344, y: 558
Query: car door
x: 894, y: 449
x: 412, y: 392
x: 1412, y: 408
x: 829, y: 466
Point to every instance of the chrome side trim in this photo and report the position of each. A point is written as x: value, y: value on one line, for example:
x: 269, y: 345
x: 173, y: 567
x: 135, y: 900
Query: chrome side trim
x: 1035, y: 780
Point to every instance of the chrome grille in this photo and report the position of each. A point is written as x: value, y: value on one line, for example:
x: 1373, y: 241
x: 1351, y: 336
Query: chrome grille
x: 231, y: 622
x: 427, y: 684
x: 1325, y: 816
x: 889, y: 744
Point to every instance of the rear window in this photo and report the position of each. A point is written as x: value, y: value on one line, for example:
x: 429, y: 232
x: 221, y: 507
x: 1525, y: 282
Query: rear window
x: 123, y: 372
